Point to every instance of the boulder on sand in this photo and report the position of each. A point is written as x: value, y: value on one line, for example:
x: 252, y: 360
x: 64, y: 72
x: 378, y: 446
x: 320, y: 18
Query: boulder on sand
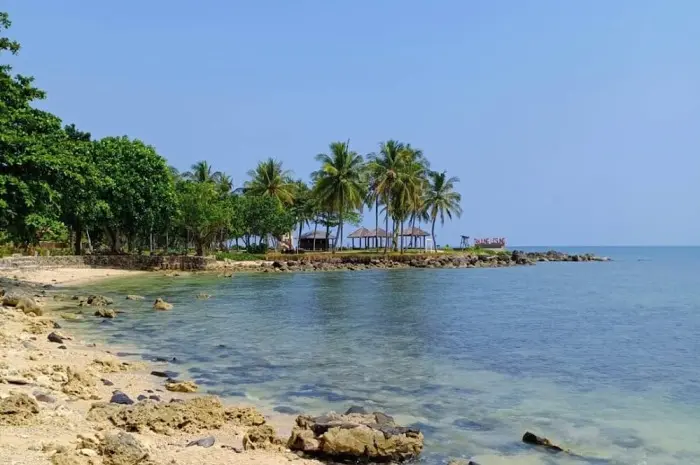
x: 181, y: 386
x: 367, y: 437
x: 18, y: 410
x: 122, y: 449
x: 161, y: 304
x: 262, y: 437
x: 29, y: 305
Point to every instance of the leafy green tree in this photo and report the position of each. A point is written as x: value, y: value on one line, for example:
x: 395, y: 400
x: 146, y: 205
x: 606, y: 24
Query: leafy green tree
x: 263, y: 216
x: 270, y: 179
x: 340, y: 182
x: 202, y: 212
x: 384, y: 169
x: 138, y: 188
x: 303, y: 208
x: 441, y: 199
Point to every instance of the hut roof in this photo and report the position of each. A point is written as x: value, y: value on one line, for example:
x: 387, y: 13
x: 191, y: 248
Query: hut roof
x: 415, y: 232
x: 379, y: 232
x: 316, y: 235
x: 361, y: 233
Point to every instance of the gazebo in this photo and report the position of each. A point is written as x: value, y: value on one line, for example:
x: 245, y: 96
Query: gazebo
x: 372, y: 237
x: 315, y: 240
x: 417, y: 234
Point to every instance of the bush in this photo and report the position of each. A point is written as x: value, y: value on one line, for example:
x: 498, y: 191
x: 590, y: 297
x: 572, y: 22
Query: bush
x: 257, y: 249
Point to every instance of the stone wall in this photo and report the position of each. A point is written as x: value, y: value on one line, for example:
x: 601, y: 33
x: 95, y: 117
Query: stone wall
x: 126, y: 262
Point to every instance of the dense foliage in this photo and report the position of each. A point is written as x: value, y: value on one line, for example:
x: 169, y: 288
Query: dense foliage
x: 118, y: 194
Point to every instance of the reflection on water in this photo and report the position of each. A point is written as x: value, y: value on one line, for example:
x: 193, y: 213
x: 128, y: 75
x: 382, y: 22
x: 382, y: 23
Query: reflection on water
x: 600, y: 357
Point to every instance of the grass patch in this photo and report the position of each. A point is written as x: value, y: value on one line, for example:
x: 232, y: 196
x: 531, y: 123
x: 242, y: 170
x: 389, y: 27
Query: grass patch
x: 239, y: 256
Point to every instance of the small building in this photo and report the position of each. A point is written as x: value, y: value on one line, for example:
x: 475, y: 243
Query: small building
x: 315, y: 240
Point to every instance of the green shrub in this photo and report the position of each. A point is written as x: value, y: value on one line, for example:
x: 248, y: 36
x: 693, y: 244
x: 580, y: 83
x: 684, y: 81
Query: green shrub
x: 239, y: 256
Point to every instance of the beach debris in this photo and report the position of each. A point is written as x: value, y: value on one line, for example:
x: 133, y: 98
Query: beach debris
x: 160, y: 304
x: 204, y: 442
x: 533, y: 439
x: 122, y: 449
x: 263, y: 437
x: 181, y: 386
x: 106, y: 313
x: 118, y: 397
x: 18, y: 410
x: 135, y: 297
x: 244, y: 416
x: 99, y: 300
x: 56, y: 337
x: 106, y: 382
x: 79, y: 384
x: 203, y: 296
x: 373, y: 437
x: 165, y: 374
x: 191, y: 416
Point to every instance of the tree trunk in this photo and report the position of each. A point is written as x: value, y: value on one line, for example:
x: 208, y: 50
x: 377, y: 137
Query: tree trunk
x: 401, y: 238
x: 432, y: 233
x: 376, y: 222
x: 114, y: 239
x: 328, y: 233
x: 301, y: 228
x: 199, y: 244
x: 386, y: 237
x: 340, y: 229
x: 78, y: 237
x: 315, y: 229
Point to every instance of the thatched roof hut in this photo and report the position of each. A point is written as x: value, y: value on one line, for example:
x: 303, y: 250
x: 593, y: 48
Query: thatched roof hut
x: 361, y: 233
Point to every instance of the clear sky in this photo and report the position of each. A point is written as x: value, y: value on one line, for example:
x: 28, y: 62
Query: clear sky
x: 568, y: 122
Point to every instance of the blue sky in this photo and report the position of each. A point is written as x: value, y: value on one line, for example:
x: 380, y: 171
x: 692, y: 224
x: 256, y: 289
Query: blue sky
x: 567, y: 122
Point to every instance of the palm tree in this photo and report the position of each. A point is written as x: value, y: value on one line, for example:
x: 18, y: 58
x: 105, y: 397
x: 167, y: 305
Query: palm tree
x: 384, y: 169
x: 340, y: 183
x: 201, y: 172
x: 225, y: 183
x: 441, y: 199
x: 407, y: 192
x: 270, y: 179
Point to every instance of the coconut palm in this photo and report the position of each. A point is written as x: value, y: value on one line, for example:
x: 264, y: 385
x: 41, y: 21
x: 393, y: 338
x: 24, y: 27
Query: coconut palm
x: 384, y: 169
x: 269, y: 178
x: 340, y: 183
x: 441, y: 199
x: 407, y: 192
x: 201, y: 172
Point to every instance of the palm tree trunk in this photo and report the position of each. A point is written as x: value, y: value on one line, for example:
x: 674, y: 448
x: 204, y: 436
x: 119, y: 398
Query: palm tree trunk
x: 340, y: 228
x: 401, y: 238
x: 301, y: 228
x: 432, y: 231
x: 328, y: 233
x: 376, y: 221
x: 315, y: 229
x: 386, y: 238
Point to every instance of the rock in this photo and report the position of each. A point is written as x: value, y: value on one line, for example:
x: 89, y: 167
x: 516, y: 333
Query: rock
x: 122, y: 449
x: 369, y: 437
x: 39, y: 326
x: 106, y: 313
x: 203, y: 296
x: 16, y: 380
x: 135, y: 297
x: 154, y: 397
x: 18, y: 410
x: 11, y: 299
x: 99, y: 300
x: 530, y: 438
x: 160, y: 304
x: 204, y: 442
x: 88, y: 452
x: 261, y: 437
x: 189, y: 416
x: 63, y: 347
x: 28, y: 305
x: 356, y: 409
x: 286, y: 410
x: 106, y: 382
x: 114, y: 366
x: 57, y: 338
x: 119, y: 397
x: 165, y: 374
x: 181, y: 386
x: 41, y: 397
x: 79, y: 384
x: 244, y: 416
x: 461, y: 462
x: 70, y: 316
x: 141, y: 397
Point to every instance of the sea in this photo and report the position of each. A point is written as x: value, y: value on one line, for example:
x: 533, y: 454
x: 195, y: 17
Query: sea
x: 602, y: 358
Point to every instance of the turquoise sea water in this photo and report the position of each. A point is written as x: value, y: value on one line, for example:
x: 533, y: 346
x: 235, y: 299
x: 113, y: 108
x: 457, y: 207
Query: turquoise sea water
x: 602, y: 358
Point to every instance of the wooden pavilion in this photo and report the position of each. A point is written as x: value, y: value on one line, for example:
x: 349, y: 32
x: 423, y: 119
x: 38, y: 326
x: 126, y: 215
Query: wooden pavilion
x: 315, y: 240
x: 372, y: 238
x: 417, y: 236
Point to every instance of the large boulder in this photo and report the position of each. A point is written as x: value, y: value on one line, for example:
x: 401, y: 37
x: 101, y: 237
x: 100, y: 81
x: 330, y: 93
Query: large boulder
x: 29, y: 305
x: 262, y: 437
x: 122, y: 449
x: 367, y: 437
x: 533, y: 439
x: 18, y: 410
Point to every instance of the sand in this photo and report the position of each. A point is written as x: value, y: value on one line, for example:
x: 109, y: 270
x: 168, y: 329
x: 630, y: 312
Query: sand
x: 72, y: 276
x: 27, y: 356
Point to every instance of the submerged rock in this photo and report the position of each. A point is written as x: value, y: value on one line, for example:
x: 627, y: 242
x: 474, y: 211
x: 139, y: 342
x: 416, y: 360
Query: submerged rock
x: 372, y: 437
x: 160, y: 304
x: 135, y: 297
x: 203, y: 296
x: 99, y: 300
x: 106, y: 313
x: 530, y: 438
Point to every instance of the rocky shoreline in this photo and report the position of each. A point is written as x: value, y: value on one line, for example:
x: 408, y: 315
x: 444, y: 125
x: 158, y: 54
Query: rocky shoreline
x: 452, y: 260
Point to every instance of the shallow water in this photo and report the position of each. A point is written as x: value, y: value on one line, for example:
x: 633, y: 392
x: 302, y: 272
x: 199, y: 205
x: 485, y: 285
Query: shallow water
x: 600, y: 357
